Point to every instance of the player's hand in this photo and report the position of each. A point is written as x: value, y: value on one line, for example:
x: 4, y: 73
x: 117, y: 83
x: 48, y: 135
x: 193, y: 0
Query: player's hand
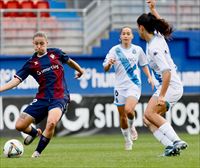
x: 111, y: 61
x: 150, y: 81
x: 161, y: 101
x: 151, y: 3
x: 79, y: 74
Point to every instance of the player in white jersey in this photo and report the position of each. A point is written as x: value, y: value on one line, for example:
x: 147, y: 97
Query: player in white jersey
x: 153, y: 30
x: 125, y: 58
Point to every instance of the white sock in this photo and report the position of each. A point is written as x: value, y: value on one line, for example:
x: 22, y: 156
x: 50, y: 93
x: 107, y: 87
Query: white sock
x: 126, y: 134
x: 167, y: 130
x: 130, y: 122
x: 162, y: 138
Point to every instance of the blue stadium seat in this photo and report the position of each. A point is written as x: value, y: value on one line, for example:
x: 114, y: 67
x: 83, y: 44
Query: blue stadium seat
x: 61, y: 5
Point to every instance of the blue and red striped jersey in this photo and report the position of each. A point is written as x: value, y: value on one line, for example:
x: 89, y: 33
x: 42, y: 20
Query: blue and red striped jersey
x: 48, y: 71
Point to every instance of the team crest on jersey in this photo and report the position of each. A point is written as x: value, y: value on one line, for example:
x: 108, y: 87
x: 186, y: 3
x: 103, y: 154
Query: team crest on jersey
x: 134, y: 51
x: 52, y: 56
x: 35, y: 62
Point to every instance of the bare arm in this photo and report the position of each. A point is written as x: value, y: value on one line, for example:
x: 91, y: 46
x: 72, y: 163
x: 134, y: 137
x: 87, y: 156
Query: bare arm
x: 108, y: 66
x: 75, y: 66
x: 11, y: 84
x: 166, y: 80
x: 152, y: 7
x: 166, y: 76
x: 147, y: 73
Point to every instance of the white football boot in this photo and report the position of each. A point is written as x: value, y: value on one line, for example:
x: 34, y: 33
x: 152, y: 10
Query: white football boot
x: 35, y: 154
x: 29, y: 139
x: 134, y: 134
x: 128, y: 145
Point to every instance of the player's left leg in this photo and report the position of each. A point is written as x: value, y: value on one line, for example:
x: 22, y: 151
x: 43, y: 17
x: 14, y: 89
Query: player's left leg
x: 172, y: 96
x: 162, y: 138
x: 153, y: 118
x: 54, y: 116
x: 164, y: 128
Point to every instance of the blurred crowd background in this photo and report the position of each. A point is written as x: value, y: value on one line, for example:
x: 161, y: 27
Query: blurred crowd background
x: 77, y: 26
x: 86, y: 30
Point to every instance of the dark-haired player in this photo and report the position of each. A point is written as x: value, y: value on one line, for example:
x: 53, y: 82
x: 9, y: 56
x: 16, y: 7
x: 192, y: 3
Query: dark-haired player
x: 154, y: 30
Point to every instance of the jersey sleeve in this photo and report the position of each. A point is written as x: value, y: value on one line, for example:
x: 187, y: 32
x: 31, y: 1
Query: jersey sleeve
x: 63, y: 56
x: 23, y: 73
x: 142, y: 58
x: 110, y: 55
x: 160, y: 60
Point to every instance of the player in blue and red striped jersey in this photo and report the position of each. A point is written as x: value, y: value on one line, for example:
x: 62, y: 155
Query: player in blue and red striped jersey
x: 46, y: 67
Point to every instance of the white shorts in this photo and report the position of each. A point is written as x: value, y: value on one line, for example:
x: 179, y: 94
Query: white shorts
x: 120, y: 95
x: 172, y: 95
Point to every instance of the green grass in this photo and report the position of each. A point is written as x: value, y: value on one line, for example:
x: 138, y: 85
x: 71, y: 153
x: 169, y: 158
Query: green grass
x: 104, y: 151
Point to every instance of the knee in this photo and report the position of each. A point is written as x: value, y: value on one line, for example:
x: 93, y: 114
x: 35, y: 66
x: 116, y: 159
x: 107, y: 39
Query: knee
x: 147, y: 116
x: 129, y: 113
x: 19, y: 126
x: 50, y: 125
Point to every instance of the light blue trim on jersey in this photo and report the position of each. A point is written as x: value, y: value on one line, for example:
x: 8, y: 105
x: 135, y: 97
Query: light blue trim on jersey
x: 144, y: 65
x: 127, y: 66
x: 119, y: 104
x: 157, y: 76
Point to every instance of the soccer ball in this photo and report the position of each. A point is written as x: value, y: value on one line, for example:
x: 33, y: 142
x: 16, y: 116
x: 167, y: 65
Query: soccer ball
x: 13, y: 149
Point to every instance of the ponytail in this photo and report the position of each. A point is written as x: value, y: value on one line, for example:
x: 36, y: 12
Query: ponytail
x: 151, y: 24
x: 163, y: 27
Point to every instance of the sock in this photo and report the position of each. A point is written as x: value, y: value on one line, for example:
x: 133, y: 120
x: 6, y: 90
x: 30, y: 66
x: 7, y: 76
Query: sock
x: 167, y: 130
x: 42, y: 143
x: 130, y: 122
x: 162, y: 138
x: 126, y: 134
x: 33, y: 132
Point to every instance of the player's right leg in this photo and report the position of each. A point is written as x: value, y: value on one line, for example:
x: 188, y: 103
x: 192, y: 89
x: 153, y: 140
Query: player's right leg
x: 124, y: 128
x: 119, y: 101
x: 24, y: 124
x: 34, y: 113
x: 30, y: 138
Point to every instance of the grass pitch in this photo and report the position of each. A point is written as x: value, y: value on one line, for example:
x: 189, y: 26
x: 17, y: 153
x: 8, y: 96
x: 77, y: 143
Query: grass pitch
x: 105, y: 151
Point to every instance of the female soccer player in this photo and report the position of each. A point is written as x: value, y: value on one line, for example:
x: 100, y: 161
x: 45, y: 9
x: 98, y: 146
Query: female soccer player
x: 154, y: 30
x: 125, y: 58
x: 46, y: 66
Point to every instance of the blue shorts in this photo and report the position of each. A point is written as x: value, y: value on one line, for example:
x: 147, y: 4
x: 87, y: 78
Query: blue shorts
x: 39, y: 108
